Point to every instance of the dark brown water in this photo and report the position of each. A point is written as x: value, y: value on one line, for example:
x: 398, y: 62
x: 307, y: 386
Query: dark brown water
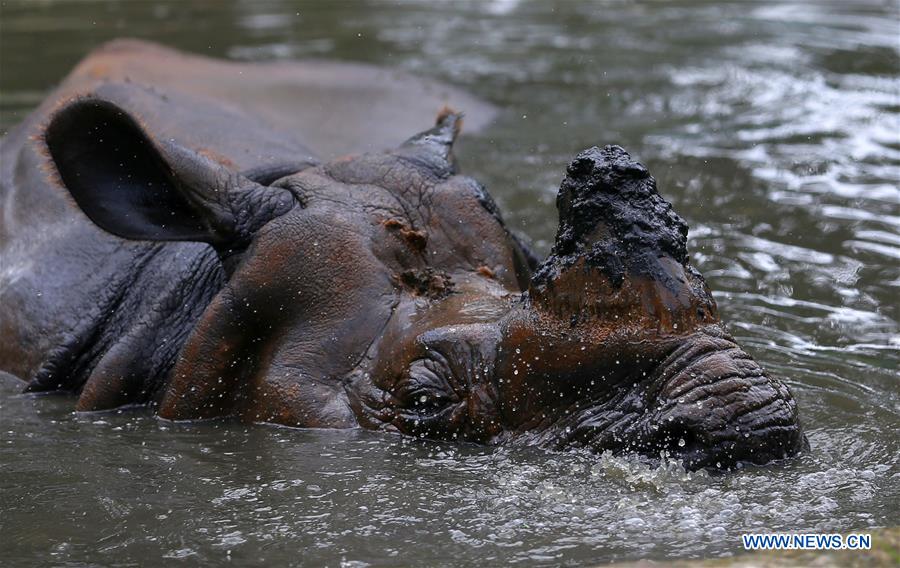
x: 774, y: 128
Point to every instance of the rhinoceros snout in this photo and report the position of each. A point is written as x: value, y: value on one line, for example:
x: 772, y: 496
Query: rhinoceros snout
x: 718, y: 408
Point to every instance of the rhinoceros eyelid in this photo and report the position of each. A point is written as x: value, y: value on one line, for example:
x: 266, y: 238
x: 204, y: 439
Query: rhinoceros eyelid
x: 428, y: 379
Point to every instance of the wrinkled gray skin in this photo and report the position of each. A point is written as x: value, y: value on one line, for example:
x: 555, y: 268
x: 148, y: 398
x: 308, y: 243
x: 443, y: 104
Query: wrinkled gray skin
x: 167, y: 238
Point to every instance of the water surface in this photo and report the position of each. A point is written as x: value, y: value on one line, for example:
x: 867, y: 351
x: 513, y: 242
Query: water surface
x: 771, y: 126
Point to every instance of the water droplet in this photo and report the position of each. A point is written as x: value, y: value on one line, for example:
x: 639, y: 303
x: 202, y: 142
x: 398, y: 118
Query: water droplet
x: 681, y: 442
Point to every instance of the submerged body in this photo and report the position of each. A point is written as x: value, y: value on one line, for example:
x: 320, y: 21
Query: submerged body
x: 379, y: 290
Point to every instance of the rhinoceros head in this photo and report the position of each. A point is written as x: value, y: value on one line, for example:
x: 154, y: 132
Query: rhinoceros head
x: 384, y: 290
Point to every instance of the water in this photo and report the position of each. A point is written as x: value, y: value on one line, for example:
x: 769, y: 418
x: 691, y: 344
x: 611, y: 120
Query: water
x: 773, y: 127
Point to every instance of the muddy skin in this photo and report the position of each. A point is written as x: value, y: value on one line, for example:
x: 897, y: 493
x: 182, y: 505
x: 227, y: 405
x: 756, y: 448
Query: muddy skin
x: 378, y: 290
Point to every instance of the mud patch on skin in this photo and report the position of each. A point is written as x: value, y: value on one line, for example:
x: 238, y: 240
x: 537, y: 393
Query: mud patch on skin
x: 415, y: 239
x: 427, y: 282
x: 486, y: 272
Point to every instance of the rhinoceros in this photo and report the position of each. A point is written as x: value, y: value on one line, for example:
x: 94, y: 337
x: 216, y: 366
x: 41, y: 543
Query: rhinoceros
x: 219, y: 239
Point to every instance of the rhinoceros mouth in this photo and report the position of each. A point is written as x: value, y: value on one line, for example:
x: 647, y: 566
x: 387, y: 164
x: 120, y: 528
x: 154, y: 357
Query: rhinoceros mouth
x: 770, y: 439
x: 654, y: 435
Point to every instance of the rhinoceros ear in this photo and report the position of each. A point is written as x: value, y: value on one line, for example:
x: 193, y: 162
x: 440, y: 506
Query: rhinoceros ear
x: 137, y: 187
x: 434, y: 147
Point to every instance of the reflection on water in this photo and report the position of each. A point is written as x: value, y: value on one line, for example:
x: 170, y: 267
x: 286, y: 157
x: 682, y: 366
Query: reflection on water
x: 773, y: 128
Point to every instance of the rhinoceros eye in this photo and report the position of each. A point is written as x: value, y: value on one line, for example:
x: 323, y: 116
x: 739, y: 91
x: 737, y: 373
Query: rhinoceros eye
x: 426, y: 388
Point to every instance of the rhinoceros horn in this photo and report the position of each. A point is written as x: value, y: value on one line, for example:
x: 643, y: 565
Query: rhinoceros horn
x: 620, y: 255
